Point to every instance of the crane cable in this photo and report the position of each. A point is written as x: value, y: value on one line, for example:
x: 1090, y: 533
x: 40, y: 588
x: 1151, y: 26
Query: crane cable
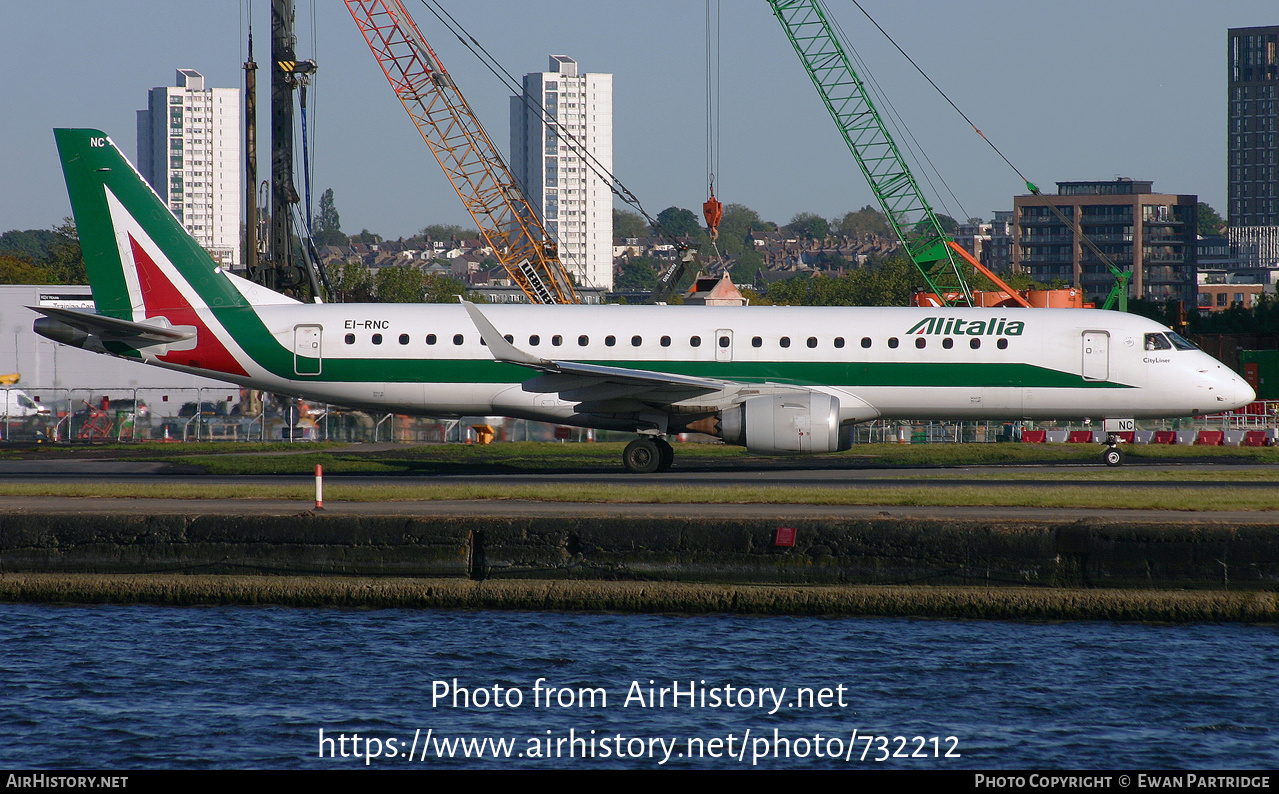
x: 535, y: 105
x: 915, y: 150
x: 936, y: 87
x: 1069, y: 223
x: 712, y: 209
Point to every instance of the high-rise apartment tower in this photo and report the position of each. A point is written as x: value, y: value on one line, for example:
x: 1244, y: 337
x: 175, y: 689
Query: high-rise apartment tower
x: 189, y: 150
x: 551, y: 163
x: 1253, y: 208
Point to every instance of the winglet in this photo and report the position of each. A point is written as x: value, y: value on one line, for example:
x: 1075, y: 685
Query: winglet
x: 501, y: 349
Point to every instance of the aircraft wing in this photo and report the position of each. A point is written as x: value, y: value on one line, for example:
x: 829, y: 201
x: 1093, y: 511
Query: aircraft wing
x: 146, y: 333
x: 593, y: 382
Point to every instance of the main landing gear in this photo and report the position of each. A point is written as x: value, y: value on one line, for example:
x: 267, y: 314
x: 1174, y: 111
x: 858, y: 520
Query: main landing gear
x: 648, y: 454
x: 1112, y: 455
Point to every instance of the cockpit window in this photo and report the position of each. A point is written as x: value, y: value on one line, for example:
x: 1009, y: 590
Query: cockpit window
x: 1157, y: 342
x: 1180, y: 342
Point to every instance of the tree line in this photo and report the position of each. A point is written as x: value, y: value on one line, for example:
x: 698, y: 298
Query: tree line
x: 42, y: 256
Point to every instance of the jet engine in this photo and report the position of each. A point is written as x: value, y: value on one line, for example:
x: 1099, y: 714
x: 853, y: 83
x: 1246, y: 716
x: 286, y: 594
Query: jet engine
x: 786, y: 423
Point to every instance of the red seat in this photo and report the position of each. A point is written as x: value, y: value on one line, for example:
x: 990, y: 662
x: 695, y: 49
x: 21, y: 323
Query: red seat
x: 1080, y: 437
x: 1127, y: 435
x: 1254, y: 438
x: 1164, y: 437
x: 1039, y: 436
x: 1210, y: 438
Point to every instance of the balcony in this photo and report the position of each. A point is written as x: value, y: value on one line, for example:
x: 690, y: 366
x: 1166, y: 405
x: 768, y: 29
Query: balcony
x: 1040, y: 220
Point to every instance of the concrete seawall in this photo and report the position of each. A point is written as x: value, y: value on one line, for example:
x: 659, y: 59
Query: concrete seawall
x: 694, y: 549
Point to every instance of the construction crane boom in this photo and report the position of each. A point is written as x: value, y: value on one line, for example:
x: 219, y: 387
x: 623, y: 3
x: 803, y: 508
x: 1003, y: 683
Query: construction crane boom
x: 933, y: 251
x: 477, y: 172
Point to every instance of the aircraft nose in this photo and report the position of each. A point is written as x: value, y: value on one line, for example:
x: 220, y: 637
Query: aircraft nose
x: 1232, y: 391
x: 1244, y: 393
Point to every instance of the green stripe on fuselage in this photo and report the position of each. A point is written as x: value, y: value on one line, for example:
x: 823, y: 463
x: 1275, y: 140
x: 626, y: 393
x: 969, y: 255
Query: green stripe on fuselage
x: 257, y: 341
x: 815, y: 373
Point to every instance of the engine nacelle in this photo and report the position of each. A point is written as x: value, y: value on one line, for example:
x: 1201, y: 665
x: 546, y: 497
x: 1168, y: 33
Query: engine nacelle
x: 59, y: 331
x: 786, y: 423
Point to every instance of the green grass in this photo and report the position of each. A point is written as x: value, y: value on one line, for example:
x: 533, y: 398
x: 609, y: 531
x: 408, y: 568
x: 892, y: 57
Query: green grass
x: 1192, y: 473
x: 337, y: 457
x: 534, y: 457
x: 1116, y: 497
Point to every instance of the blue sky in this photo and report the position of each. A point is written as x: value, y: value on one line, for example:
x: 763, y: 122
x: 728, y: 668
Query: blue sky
x: 1069, y: 91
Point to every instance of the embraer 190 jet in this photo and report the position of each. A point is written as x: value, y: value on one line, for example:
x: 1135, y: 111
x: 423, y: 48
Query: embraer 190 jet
x: 775, y: 379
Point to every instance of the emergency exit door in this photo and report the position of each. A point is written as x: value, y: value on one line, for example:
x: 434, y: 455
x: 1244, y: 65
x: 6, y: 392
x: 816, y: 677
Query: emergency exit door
x: 307, y: 358
x: 1096, y: 355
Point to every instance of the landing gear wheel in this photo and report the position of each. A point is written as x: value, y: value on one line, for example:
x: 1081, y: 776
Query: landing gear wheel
x: 667, y: 453
x: 1113, y: 456
x: 642, y: 456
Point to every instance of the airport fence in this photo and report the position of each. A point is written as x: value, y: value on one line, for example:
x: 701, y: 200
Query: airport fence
x: 231, y: 415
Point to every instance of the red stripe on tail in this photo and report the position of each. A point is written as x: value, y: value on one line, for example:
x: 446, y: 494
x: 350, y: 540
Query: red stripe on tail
x: 161, y: 297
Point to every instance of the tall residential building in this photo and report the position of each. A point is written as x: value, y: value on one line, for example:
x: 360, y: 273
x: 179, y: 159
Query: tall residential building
x: 1253, y: 210
x: 189, y: 150
x: 550, y: 163
x: 1152, y: 235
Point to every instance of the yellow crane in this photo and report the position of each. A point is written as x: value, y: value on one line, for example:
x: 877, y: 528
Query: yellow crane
x: 481, y: 178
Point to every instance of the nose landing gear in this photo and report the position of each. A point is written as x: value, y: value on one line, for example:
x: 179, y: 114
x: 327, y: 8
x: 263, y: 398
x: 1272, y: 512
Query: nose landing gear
x: 1112, y: 455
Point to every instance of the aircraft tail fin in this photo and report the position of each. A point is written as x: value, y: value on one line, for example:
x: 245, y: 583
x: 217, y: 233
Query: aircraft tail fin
x: 140, y: 260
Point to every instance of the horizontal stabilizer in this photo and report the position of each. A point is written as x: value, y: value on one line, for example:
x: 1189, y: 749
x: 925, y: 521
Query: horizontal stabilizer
x: 144, y: 333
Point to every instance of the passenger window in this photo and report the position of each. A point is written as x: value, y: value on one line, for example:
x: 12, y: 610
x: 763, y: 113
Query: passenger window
x: 723, y: 341
x: 636, y: 341
x: 948, y: 343
x: 666, y: 341
x: 404, y: 339
x: 610, y: 340
x: 1157, y: 342
x: 1002, y: 344
x: 535, y: 340
x: 784, y: 341
x: 921, y: 342
x: 695, y: 341
x: 377, y: 339
x: 350, y: 339
x: 430, y: 339
x: 974, y: 343
x: 865, y: 341
x: 812, y: 341
x: 892, y: 342
x: 583, y: 340
x: 457, y: 339
x: 839, y: 341
x: 509, y: 338
x: 757, y: 342
x: 557, y: 340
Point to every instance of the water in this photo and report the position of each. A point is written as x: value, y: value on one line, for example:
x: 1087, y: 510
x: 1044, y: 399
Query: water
x: 145, y: 687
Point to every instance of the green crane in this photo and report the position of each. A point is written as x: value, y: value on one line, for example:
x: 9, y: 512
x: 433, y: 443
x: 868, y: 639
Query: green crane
x: 927, y: 244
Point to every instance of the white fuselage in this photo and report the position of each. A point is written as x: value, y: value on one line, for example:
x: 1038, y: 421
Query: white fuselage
x: 880, y: 362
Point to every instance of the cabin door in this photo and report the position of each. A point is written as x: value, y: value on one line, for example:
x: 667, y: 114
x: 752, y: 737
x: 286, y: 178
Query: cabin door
x: 306, y: 350
x: 1096, y: 355
x: 724, y: 345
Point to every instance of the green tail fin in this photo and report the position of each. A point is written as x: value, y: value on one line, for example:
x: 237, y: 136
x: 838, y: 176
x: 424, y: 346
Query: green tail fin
x: 112, y: 203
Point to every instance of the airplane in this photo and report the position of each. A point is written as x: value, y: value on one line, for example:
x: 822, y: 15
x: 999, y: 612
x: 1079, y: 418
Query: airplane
x: 774, y: 379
